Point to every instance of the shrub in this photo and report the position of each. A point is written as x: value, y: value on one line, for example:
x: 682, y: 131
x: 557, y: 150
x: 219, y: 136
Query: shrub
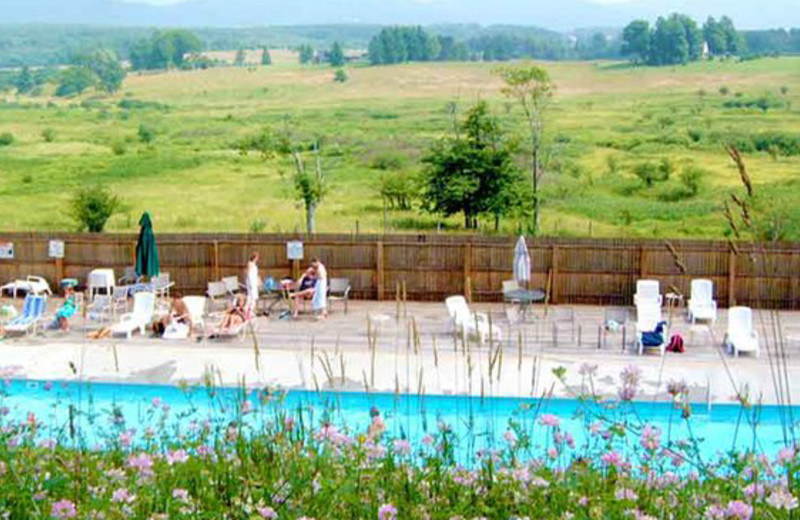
x: 6, y: 138
x: 118, y: 148
x: 92, y: 207
x: 723, y: 90
x: 650, y: 173
x: 340, y: 76
x: 399, y: 190
x: 763, y: 103
x: 27, y: 179
x: 613, y: 164
x: 146, y: 134
x: 388, y: 161
x: 258, y: 226
x: 695, y: 135
x: 692, y: 178
x: 49, y: 135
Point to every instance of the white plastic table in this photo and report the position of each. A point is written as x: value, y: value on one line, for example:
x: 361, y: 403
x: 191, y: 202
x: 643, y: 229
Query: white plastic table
x: 100, y: 279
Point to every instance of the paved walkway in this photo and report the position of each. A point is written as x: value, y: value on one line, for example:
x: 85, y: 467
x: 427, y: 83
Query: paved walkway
x: 385, y: 347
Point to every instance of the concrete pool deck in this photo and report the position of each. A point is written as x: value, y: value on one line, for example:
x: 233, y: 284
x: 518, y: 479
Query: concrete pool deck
x: 415, y: 353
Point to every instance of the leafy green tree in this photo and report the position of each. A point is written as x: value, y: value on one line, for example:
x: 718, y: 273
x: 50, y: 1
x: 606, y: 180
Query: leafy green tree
x: 266, y: 57
x: 734, y: 43
x: 24, y: 81
x: 74, y: 80
x: 532, y: 89
x: 310, y: 186
x: 715, y: 37
x: 146, y: 134
x: 340, y: 76
x: 106, y: 68
x: 472, y: 173
x: 636, y: 41
x: 336, y: 55
x: 92, y: 207
x: 306, y: 54
x: 241, y: 57
x: 164, y: 49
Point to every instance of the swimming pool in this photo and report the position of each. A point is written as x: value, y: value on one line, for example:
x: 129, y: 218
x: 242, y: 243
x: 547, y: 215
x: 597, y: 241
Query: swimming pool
x: 92, y: 415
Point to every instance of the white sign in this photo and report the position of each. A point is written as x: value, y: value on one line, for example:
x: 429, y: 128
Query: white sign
x: 56, y: 249
x: 6, y: 250
x: 294, y: 250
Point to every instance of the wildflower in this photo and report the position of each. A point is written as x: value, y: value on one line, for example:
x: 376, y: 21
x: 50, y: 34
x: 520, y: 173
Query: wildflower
x: 402, y: 447
x: 63, y: 509
x: 549, y: 420
x: 583, y: 501
x: 786, y: 456
x: 570, y: 440
x: 587, y: 369
x: 267, y: 512
x: 48, y: 386
x: 180, y: 494
x: 288, y: 423
x: 428, y: 440
x: 247, y: 407
x: 539, y: 482
x: 126, y: 438
x: 754, y: 490
x: 596, y: 428
x: 141, y: 462
x: 510, y: 437
x: 156, y: 402
x: 651, y: 438
x: 630, y: 378
x: 387, y: 512
x: 613, y: 458
x: 626, y: 494
x: 552, y: 453
x: 121, y: 496
x: 177, y: 457
x: 676, y: 388
x: 739, y: 510
x: 782, y: 499
x: 714, y: 512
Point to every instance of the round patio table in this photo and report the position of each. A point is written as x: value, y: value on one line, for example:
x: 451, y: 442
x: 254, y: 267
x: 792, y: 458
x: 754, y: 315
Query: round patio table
x: 525, y: 297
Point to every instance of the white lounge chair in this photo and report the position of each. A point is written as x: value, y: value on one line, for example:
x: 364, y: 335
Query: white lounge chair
x: 648, y: 316
x: 232, y: 284
x: 648, y: 291
x: 31, y: 285
x: 197, y: 310
x: 470, y: 323
x: 701, y: 304
x: 33, y: 310
x: 144, y: 304
x: 741, y: 335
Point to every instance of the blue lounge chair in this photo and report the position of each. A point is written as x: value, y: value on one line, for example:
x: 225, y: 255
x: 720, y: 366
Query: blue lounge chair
x: 32, y: 313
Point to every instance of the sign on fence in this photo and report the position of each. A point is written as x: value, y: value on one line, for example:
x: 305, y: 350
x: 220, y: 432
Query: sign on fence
x: 56, y: 249
x: 294, y: 250
x: 6, y: 250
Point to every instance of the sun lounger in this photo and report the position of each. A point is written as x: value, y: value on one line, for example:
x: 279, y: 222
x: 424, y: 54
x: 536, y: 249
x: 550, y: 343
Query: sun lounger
x: 470, y: 323
x: 32, y: 314
x: 143, y: 308
x: 701, y: 304
x: 648, y: 291
x: 741, y: 335
x: 237, y: 331
x: 648, y: 316
x: 31, y: 285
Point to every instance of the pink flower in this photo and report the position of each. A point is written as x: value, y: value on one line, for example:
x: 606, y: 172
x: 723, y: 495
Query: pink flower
x: 428, y: 440
x: 613, y: 458
x: 552, y: 453
x: 510, y: 437
x: 626, y: 494
x: 247, y: 407
x: 782, y: 499
x: 63, y: 509
x: 402, y: 447
x: 549, y: 420
x: 156, y: 402
x: 288, y: 423
x: 267, y: 512
x: 786, y: 456
x: 122, y: 496
x: 177, y: 457
x: 141, y: 462
x: 739, y: 510
x: 583, y: 501
x: 651, y: 438
x: 48, y: 386
x: 714, y: 512
x: 180, y: 494
x: 753, y: 490
x: 387, y: 512
x: 126, y: 438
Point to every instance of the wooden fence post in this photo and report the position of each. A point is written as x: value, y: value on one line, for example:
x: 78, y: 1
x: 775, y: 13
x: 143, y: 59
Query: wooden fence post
x: 215, y: 260
x: 379, y: 275
x: 554, y: 269
x: 731, y: 278
x: 468, y: 271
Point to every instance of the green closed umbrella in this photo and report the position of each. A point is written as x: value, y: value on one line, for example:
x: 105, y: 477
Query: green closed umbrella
x: 146, y: 249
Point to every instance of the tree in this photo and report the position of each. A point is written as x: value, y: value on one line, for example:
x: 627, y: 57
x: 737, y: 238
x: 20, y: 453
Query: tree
x: 106, y: 68
x: 336, y: 55
x: 472, y: 172
x: 24, y: 81
x: 241, y: 57
x: 340, y: 76
x: 532, y: 89
x: 74, y: 80
x: 715, y: 37
x: 636, y: 41
x: 310, y: 187
x: 266, y: 57
x: 306, y: 54
x: 734, y: 43
x: 164, y: 49
x: 92, y: 207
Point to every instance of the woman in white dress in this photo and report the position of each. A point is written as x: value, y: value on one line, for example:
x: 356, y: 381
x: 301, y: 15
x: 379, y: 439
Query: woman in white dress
x: 320, y: 301
x: 251, y: 281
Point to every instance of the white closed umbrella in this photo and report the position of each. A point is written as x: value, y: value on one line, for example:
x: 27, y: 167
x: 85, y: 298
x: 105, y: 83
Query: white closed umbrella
x: 522, y: 262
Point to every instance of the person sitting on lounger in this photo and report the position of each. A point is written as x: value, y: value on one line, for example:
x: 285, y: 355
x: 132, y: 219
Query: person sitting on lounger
x: 305, y: 289
x: 235, y: 316
x: 178, y: 312
x: 67, y: 309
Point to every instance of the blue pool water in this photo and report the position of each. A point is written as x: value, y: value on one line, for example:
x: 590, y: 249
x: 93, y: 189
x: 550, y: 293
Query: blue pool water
x: 91, y: 414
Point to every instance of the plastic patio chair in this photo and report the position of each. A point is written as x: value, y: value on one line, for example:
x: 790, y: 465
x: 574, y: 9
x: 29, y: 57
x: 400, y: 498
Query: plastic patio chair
x: 33, y: 310
x: 701, y: 304
x: 339, y: 291
x: 470, y: 323
x: 647, y: 292
x: 741, y: 335
x: 143, y: 307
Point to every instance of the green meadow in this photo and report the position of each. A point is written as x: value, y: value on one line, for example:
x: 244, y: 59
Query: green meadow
x: 607, y: 120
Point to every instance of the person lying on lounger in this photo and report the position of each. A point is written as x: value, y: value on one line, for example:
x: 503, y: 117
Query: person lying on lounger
x: 178, y: 313
x: 305, y: 289
x: 235, y: 316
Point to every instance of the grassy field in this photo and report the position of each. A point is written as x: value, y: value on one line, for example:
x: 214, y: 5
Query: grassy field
x: 608, y: 118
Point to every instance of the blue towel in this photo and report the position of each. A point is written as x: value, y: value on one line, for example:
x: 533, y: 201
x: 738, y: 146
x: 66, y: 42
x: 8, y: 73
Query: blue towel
x: 654, y: 338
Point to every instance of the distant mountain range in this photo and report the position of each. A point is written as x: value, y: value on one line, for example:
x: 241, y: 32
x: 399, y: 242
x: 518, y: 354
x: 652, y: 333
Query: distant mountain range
x: 551, y: 14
